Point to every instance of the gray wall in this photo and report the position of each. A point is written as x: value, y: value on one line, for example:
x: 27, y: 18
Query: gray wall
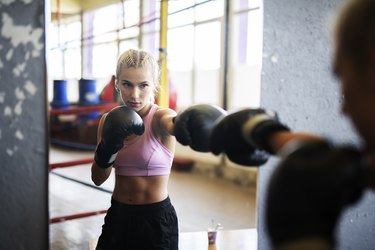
x: 23, y: 126
x: 298, y: 84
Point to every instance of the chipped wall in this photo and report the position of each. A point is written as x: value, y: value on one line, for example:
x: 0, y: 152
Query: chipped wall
x: 297, y: 82
x: 23, y: 126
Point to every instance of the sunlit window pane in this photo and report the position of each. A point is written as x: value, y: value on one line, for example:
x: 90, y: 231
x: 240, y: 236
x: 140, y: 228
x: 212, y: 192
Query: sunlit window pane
x: 239, y: 5
x: 73, y: 63
x: 104, y: 38
x: 150, y: 17
x: 53, y: 36
x: 104, y: 59
x: 55, y: 67
x: 105, y: 19
x: 180, y: 48
x: 151, y: 43
x: 209, y: 10
x: 207, y: 86
x: 129, y: 14
x: 246, y: 53
x: 72, y: 32
x: 247, y: 38
x: 207, y: 43
x: 182, y: 81
x: 128, y: 32
x: 183, y: 17
x: 128, y: 44
x: 174, y: 6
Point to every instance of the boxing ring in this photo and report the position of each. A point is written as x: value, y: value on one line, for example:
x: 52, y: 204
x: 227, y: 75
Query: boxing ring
x: 72, y: 164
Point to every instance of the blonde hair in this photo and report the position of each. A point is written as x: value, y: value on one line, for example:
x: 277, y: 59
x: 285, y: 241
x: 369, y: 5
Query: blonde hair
x: 355, y: 30
x: 133, y: 58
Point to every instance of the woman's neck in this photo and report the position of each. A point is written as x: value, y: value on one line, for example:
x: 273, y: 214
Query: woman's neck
x: 145, y: 110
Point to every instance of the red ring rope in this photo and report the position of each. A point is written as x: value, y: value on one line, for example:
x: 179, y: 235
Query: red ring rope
x: 70, y: 163
x: 83, y: 109
x: 76, y: 216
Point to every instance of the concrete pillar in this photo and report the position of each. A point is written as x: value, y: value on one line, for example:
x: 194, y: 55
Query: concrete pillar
x: 23, y: 126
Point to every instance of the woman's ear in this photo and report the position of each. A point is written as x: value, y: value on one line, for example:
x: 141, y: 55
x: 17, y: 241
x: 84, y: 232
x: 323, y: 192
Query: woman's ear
x: 116, y: 88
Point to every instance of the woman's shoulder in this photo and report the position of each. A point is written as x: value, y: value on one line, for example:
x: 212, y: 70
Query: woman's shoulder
x: 162, y: 120
x: 163, y: 113
x: 160, y: 111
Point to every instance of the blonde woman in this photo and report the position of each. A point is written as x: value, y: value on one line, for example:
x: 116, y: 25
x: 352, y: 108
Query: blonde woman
x: 138, y: 140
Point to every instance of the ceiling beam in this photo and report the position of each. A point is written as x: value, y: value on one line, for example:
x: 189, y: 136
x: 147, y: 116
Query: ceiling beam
x: 76, y: 6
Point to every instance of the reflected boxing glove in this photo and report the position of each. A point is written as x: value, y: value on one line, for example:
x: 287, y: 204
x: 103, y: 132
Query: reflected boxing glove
x: 260, y: 124
x: 193, y: 125
x: 309, y: 189
x: 119, y: 123
x: 228, y: 137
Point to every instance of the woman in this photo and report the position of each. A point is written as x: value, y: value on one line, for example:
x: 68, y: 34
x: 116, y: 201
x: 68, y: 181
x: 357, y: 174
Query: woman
x: 141, y: 215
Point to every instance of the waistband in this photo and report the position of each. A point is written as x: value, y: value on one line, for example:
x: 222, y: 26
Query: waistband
x: 141, y: 208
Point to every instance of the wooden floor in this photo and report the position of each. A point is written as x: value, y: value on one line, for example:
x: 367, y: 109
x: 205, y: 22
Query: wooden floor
x: 198, y: 201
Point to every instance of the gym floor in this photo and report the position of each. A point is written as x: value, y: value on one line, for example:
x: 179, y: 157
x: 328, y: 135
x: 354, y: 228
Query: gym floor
x: 198, y: 201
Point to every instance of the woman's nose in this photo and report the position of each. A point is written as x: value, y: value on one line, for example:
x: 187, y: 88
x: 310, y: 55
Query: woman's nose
x: 134, y: 92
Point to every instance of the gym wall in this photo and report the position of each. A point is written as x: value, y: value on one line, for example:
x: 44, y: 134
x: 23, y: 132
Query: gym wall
x: 298, y: 84
x: 23, y: 126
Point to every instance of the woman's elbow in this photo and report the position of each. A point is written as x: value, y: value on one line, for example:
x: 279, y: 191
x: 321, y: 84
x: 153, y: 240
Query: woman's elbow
x: 97, y: 176
x: 97, y: 181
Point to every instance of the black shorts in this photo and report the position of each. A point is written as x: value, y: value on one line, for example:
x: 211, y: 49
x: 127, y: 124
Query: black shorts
x: 135, y: 227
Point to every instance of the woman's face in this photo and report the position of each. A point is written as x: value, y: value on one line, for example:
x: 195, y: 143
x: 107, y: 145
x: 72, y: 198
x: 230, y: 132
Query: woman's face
x: 358, y: 90
x: 136, y: 87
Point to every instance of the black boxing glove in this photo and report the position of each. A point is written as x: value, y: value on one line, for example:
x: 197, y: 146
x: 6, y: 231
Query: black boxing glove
x: 309, y: 189
x: 119, y: 123
x: 193, y: 125
x: 260, y: 124
x: 242, y: 136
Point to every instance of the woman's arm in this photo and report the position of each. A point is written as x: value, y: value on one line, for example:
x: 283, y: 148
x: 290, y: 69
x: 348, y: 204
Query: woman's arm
x: 165, y: 120
x: 280, y: 139
x: 98, y: 174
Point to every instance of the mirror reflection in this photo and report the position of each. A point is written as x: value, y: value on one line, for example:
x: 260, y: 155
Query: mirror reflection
x: 200, y: 63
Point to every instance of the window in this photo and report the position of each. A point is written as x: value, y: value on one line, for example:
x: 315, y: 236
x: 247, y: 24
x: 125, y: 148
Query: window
x: 194, y: 53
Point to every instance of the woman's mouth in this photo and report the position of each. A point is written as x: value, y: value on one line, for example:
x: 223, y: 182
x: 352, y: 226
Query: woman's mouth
x: 134, y: 104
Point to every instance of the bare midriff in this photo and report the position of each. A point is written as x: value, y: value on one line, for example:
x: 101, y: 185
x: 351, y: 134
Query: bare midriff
x: 140, y: 189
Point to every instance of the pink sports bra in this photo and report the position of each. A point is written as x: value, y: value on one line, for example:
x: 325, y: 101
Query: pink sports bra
x: 144, y: 155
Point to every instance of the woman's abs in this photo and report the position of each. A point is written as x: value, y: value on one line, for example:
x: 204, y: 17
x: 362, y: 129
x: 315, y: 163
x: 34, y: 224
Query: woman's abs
x: 140, y: 189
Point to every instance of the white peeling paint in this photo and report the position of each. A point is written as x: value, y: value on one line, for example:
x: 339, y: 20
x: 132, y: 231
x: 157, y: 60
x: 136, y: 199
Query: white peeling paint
x: 19, y: 135
x: 19, y: 69
x: 30, y: 87
x: 7, y: 111
x: 9, y: 152
x: 2, y: 97
x: 274, y: 58
x: 18, y: 108
x: 9, y: 55
x: 1, y: 62
x: 19, y: 94
x: 22, y: 34
x: 6, y: 2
